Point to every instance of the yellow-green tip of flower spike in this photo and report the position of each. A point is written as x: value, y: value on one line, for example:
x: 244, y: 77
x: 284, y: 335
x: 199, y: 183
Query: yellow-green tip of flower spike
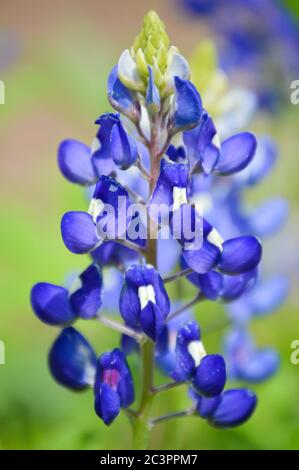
x: 152, y: 48
x: 204, y: 64
x: 152, y: 40
x: 207, y: 76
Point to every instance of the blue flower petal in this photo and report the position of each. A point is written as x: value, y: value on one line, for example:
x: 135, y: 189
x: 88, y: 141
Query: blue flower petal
x: 187, y: 334
x: 236, y: 407
x: 101, y: 148
x: 170, y: 191
x: 75, y: 163
x: 234, y: 286
x: 123, y: 147
x: 260, y: 366
x: 129, y: 306
x: 87, y: 299
x: 51, y: 304
x: 79, y: 232
x: 107, y: 404
x: 151, y: 321
x: 125, y: 387
x: 203, y: 144
x: 188, y: 105
x: 266, y: 297
x: 210, y: 284
x: 240, y: 255
x: 268, y: 217
x: 72, y: 361
x: 207, y: 406
x: 144, y: 302
x: 121, y: 98
x: 261, y: 165
x: 109, y: 207
x: 113, y: 386
x: 210, y: 376
x: 112, y: 253
x: 204, y: 259
x: 236, y: 153
x: 152, y: 98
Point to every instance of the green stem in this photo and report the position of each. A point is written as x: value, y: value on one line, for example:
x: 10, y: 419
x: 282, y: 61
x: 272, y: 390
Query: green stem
x: 141, y: 423
x: 141, y: 427
x: 180, y: 414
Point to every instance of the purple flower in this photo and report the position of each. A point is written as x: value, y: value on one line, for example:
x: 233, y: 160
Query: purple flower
x: 246, y: 361
x: 144, y: 302
x: 83, y: 232
x: 157, y: 167
x: 187, y: 105
x: 231, y: 408
x: 206, y: 372
x: 113, y: 386
x: 57, y: 305
x: 72, y: 361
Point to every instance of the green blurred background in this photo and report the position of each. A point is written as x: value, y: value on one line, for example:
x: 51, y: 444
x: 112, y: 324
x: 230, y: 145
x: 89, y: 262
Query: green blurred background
x: 55, y: 88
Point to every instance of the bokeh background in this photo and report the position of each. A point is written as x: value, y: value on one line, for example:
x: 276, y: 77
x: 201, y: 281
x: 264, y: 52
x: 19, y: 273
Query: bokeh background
x: 54, y: 60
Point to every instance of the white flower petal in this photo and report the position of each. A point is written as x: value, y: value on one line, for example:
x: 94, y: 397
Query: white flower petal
x: 177, y: 67
x: 128, y: 72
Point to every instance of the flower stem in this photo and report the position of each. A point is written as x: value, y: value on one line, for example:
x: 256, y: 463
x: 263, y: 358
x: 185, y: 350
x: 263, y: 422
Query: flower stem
x: 141, y: 423
x: 141, y: 427
x: 121, y: 328
x: 179, y: 414
x: 128, y: 244
x: 190, y: 304
x: 178, y: 275
x: 165, y: 387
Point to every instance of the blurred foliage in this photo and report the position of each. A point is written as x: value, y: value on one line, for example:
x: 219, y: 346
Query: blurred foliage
x: 36, y: 413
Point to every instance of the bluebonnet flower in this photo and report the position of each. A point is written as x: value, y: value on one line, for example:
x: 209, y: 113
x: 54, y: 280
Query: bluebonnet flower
x: 111, y: 253
x: 57, y: 305
x: 247, y: 362
x: 144, y: 302
x: 83, y: 232
x: 187, y: 105
x: 166, y: 342
x: 206, y: 372
x: 206, y: 153
x: 72, y: 360
x: 262, y: 299
x: 215, y: 285
x: 160, y: 148
x: 113, y: 385
x: 260, y: 38
x: 74, y: 364
x: 232, y: 408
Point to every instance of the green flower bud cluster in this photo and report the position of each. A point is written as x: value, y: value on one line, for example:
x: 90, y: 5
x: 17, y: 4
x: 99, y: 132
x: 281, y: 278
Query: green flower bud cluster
x: 152, y: 48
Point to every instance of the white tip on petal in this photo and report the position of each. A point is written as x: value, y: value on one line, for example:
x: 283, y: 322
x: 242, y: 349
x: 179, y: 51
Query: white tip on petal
x: 128, y: 72
x: 179, y: 197
x: 177, y: 67
x: 145, y: 123
x: 215, y: 238
x: 95, y: 208
x: 76, y: 285
x: 89, y: 376
x: 95, y: 146
x: 216, y: 141
x: 197, y: 351
x: 146, y: 294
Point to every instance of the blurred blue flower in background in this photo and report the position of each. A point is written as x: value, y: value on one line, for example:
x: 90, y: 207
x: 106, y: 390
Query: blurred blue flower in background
x: 258, y: 40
